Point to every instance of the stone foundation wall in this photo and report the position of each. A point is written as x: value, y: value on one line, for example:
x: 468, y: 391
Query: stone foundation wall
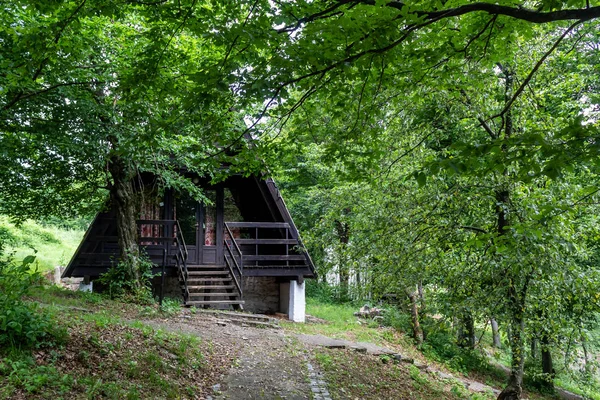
x: 261, y: 294
x: 172, y: 288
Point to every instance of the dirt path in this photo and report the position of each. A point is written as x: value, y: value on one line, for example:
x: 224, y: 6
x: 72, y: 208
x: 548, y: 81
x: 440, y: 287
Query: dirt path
x: 270, y: 364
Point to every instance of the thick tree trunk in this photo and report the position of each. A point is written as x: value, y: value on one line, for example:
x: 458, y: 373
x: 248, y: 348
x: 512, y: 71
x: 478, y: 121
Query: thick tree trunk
x: 495, y: 334
x: 123, y: 201
x: 414, y: 312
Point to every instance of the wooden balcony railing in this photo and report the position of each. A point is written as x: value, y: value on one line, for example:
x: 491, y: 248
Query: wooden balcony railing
x: 266, y: 245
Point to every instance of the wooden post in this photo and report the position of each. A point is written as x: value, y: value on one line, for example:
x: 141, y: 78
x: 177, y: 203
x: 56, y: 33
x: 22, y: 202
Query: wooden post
x: 162, y: 277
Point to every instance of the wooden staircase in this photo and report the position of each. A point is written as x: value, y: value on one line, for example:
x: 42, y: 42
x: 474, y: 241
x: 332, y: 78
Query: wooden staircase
x: 212, y: 286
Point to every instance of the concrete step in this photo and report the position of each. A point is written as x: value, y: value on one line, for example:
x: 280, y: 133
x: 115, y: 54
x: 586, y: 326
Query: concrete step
x: 255, y: 324
x: 239, y: 316
x: 209, y: 302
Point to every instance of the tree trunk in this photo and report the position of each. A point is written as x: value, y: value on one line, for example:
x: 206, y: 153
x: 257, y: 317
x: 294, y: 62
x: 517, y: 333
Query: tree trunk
x: 495, y: 334
x: 359, y: 292
x: 513, y: 389
x: 414, y: 312
x: 466, y: 333
x: 123, y: 201
x: 533, y: 347
x: 343, y: 231
x: 586, y: 355
x: 547, y: 367
x: 516, y: 303
x: 422, y: 306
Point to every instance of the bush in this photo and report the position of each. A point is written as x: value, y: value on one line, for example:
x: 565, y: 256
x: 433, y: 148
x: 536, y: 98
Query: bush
x: 120, y: 284
x: 441, y: 346
x: 320, y: 291
x: 396, y: 319
x: 21, y: 323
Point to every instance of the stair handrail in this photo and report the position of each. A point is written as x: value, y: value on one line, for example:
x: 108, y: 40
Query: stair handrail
x: 181, y: 259
x: 240, y: 267
x: 228, y: 263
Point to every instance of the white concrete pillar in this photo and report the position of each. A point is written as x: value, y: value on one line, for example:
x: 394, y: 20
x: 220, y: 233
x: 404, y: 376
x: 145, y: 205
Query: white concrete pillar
x: 83, y: 287
x: 297, y: 302
x: 57, y: 273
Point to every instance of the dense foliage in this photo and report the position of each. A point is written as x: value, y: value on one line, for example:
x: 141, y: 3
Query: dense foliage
x: 21, y: 323
x: 445, y: 152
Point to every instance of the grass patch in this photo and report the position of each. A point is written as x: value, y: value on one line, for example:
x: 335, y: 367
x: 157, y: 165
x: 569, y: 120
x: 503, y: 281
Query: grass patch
x: 351, y: 375
x: 439, y: 351
x: 100, y: 307
x: 342, y: 324
x: 105, y: 358
x: 52, y: 245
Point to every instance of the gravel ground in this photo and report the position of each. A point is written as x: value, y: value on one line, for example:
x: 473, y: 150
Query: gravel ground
x: 269, y: 363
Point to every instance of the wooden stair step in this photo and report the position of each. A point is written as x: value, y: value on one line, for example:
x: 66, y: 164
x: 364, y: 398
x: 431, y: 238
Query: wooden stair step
x: 200, y: 273
x: 202, y: 294
x: 199, y: 287
x: 222, y: 280
x: 208, y: 302
x: 205, y: 267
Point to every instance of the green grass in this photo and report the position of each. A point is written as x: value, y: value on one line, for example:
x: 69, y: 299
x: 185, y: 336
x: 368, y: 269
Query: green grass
x: 342, y: 324
x: 51, y: 245
x: 106, y: 352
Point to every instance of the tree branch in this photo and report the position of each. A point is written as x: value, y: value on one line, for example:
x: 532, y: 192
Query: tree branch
x: 23, y: 96
x: 534, y: 70
x: 473, y: 228
x: 524, y: 14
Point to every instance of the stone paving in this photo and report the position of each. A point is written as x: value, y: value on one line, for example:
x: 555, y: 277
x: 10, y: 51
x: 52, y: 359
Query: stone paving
x: 318, y: 386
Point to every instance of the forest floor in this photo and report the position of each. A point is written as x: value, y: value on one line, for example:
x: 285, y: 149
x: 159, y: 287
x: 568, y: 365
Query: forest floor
x: 115, y: 350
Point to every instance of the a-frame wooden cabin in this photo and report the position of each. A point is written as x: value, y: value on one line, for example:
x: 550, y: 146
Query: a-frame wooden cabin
x: 242, y: 250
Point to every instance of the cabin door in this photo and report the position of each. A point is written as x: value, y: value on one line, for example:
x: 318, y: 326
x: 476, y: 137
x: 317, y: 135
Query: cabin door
x: 202, y: 227
x: 210, y: 228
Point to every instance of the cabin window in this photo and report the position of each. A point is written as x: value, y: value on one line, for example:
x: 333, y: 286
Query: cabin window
x: 232, y: 212
x: 152, y: 208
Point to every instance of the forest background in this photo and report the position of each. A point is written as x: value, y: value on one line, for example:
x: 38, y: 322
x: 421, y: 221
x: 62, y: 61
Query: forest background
x: 443, y: 153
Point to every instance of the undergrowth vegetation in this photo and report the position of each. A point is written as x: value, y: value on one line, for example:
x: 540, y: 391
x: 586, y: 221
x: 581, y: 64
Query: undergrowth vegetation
x: 393, y: 329
x: 56, y: 343
x: 22, y: 325
x: 119, y: 282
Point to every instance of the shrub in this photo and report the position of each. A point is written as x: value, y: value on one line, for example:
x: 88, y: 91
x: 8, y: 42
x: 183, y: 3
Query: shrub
x: 320, y: 291
x: 396, y: 319
x: 21, y: 324
x: 441, y: 346
x: 122, y: 285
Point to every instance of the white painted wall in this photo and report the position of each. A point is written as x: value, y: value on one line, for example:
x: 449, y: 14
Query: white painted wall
x: 297, y: 302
